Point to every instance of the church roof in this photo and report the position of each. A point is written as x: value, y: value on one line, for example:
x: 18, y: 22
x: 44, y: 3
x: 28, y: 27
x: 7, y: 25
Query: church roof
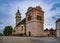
x: 58, y: 20
x: 22, y: 22
x: 46, y: 29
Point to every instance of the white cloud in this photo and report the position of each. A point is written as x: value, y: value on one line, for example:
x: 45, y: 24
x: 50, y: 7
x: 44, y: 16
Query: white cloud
x: 23, y: 6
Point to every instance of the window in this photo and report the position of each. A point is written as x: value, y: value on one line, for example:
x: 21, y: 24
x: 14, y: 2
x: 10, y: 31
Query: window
x: 38, y: 17
x: 22, y: 28
x: 17, y: 17
x: 29, y: 18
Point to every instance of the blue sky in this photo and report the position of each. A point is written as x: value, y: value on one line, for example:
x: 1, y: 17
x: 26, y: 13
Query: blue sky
x: 8, y: 9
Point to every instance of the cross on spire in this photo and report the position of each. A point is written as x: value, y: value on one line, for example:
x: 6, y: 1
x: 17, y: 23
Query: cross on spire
x: 18, y: 8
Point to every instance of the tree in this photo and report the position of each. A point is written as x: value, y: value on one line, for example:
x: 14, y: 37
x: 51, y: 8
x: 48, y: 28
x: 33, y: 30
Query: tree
x: 0, y: 34
x: 8, y: 30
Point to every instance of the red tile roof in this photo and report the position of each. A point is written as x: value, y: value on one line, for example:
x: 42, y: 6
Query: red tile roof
x: 58, y: 20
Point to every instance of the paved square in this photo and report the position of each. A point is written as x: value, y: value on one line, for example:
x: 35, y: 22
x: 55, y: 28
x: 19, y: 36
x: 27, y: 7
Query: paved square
x: 16, y: 39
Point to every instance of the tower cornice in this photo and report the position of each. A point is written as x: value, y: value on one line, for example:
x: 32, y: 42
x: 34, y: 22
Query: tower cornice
x: 35, y: 9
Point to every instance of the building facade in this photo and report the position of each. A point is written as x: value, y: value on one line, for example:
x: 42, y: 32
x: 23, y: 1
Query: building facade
x: 32, y: 24
x: 58, y: 27
x: 50, y: 32
x: 34, y: 21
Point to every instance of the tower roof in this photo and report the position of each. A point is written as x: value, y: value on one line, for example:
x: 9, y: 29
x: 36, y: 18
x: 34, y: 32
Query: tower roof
x: 18, y: 11
x: 58, y: 20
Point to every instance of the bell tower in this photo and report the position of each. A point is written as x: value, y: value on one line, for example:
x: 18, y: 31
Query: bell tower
x: 34, y: 21
x: 18, y: 17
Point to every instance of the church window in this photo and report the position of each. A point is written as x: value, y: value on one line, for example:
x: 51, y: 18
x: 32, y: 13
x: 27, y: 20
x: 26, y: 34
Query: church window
x: 38, y: 17
x: 21, y: 28
x: 29, y: 18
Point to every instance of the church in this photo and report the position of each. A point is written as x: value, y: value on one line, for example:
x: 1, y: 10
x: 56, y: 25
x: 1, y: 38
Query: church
x: 32, y: 24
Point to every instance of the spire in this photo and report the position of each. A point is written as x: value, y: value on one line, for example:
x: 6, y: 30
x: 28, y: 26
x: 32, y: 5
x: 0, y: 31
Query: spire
x: 18, y: 11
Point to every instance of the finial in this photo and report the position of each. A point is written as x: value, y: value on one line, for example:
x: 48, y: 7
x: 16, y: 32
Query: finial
x: 18, y: 8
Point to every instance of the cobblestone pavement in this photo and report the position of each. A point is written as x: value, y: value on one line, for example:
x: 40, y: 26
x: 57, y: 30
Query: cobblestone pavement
x: 1, y: 41
x: 16, y: 39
